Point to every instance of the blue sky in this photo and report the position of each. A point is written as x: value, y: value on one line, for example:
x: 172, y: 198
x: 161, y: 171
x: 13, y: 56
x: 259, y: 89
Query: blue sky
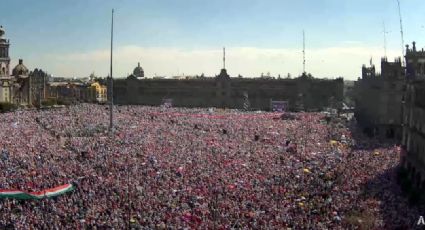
x: 71, y: 38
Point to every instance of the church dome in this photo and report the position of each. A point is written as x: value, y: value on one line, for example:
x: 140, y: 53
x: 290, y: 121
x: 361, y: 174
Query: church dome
x: 20, y: 69
x: 138, y: 71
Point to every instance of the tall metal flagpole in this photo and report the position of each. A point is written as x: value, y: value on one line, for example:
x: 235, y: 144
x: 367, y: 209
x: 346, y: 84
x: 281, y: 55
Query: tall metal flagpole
x: 111, y: 98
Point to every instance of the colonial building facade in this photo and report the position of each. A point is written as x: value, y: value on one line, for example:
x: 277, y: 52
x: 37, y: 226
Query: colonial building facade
x: 378, y: 99
x: 414, y: 117
x: 75, y: 92
x: 224, y: 91
x: 39, y: 80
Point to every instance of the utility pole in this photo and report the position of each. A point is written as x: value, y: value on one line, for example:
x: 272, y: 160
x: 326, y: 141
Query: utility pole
x: 111, y: 98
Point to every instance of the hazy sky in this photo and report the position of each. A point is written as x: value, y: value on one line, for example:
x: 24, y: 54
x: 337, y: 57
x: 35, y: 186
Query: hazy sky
x: 71, y: 38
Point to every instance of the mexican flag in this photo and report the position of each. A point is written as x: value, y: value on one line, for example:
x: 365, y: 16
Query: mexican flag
x: 22, y: 195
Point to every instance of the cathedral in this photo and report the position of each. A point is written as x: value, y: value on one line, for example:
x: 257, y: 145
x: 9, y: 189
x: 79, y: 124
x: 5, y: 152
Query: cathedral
x: 14, y: 88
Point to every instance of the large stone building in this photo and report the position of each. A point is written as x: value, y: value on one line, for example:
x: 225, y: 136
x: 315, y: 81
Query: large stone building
x: 14, y: 88
x: 100, y: 90
x: 21, y: 90
x: 70, y: 92
x: 5, y: 78
x: 39, y: 80
x: 378, y: 98
x: 414, y: 117
x: 228, y: 92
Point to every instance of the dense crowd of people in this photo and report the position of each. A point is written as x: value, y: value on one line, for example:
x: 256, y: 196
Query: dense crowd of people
x: 176, y: 168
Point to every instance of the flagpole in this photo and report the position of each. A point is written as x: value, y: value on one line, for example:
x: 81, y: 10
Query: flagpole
x: 111, y: 98
x: 128, y: 194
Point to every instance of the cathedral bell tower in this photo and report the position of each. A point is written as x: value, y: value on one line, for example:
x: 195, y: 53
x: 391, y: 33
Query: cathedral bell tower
x: 4, y: 55
x: 5, y: 79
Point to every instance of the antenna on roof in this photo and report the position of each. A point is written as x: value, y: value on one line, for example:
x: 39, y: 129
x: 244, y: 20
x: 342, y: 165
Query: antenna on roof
x: 303, y: 52
x: 224, y: 57
x: 385, y: 40
x: 401, y: 30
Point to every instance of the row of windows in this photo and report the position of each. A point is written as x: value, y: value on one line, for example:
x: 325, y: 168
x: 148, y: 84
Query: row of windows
x: 234, y: 93
x: 4, y: 53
